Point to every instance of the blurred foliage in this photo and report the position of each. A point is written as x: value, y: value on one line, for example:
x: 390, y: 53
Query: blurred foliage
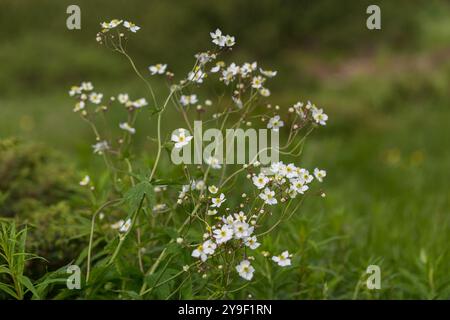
x: 38, y: 187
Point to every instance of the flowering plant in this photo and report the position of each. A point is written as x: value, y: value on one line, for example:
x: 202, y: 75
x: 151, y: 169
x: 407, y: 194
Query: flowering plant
x: 196, y: 233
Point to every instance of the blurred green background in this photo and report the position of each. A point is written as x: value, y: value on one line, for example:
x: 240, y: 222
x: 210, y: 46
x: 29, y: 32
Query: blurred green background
x: 386, y: 147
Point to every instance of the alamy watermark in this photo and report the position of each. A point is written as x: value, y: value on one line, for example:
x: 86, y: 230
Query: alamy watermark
x: 238, y: 146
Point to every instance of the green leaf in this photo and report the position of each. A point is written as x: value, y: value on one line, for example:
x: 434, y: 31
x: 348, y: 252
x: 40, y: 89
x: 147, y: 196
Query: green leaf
x: 26, y: 282
x: 136, y: 194
x: 8, y: 289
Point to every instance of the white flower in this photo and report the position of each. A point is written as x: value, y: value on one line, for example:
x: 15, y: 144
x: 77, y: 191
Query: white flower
x: 213, y: 189
x: 223, y: 234
x: 159, y: 207
x: 275, y: 123
x: 125, y: 126
x: 95, y: 97
x: 203, y: 250
x: 182, y: 138
x: 283, y: 259
x: 79, y: 106
x: 276, y: 166
x: 123, y: 98
x: 240, y: 216
x: 139, y: 103
x: 123, y: 226
x: 268, y: 73
x: 264, y: 92
x: 74, y: 90
x: 229, y: 73
x: 87, y: 86
x: 268, y: 196
x: 298, y: 186
x: 247, y: 69
x: 158, y: 68
x: 304, y: 174
x: 238, y: 102
x: 320, y: 174
x: 260, y: 181
x: 131, y: 26
x: 229, y: 220
x: 229, y: 41
x: 221, y: 40
x: 216, y: 36
x: 100, y: 147
x: 196, y: 76
x: 217, y: 202
x: 257, y: 82
x: 85, y: 181
x: 245, y: 270
x: 112, y: 24
x: 213, y: 162
x: 252, y: 242
x: 187, y: 100
x: 211, y: 212
x: 319, y: 116
x: 290, y: 171
x: 242, y: 230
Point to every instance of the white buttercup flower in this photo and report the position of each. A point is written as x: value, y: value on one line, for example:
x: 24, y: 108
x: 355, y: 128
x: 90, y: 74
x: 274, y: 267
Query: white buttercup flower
x: 268, y: 196
x: 320, y: 174
x: 223, y: 234
x: 257, y: 82
x: 213, y: 162
x: 196, y: 76
x: 212, y: 212
x: 319, y: 116
x: 275, y: 123
x: 242, y: 230
x: 123, y: 226
x: 158, y: 68
x: 85, y: 181
x: 299, y: 186
x: 245, y: 270
x: 260, y: 181
x: 131, y: 26
x: 95, y: 97
x: 187, y: 100
x: 123, y: 98
x: 252, y: 242
x: 182, y: 138
x: 125, y: 126
x: 213, y: 189
x: 264, y: 92
x: 100, y: 147
x: 268, y: 73
x: 217, y: 202
x: 283, y: 259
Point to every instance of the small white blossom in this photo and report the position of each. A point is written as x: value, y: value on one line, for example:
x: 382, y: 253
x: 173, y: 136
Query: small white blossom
x: 213, y: 162
x: 257, y: 82
x: 242, y: 230
x: 158, y: 68
x: 123, y: 98
x: 125, y: 126
x: 260, y: 181
x: 217, y: 202
x: 268, y: 196
x: 275, y: 123
x: 131, y: 26
x: 85, y: 181
x: 283, y: 259
x: 319, y: 174
x: 252, y: 242
x: 95, y: 98
x: 182, y: 138
x: 268, y: 73
x: 245, y: 270
x: 187, y: 100
x: 319, y: 116
x: 223, y: 234
x: 213, y: 189
x: 100, y: 147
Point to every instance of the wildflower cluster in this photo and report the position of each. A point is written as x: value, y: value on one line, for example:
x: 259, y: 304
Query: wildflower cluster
x: 197, y: 208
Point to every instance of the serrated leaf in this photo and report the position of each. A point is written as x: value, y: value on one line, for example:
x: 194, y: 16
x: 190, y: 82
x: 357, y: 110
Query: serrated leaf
x: 137, y: 193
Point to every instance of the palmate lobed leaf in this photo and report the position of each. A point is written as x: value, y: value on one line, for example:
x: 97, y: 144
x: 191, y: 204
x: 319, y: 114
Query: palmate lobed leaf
x: 134, y: 196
